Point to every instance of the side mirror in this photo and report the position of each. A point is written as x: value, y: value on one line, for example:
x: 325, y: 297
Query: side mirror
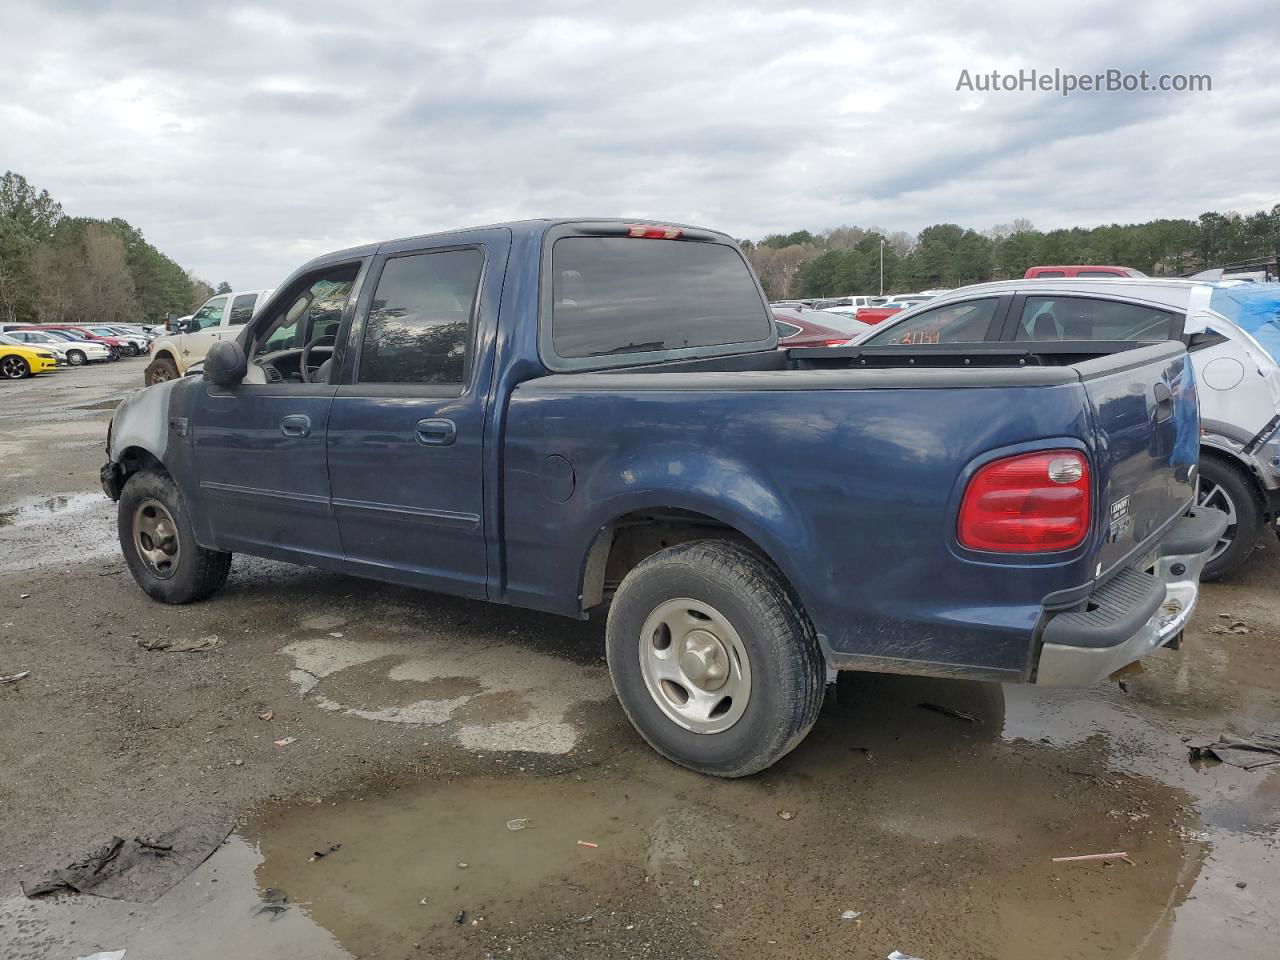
x: 225, y: 364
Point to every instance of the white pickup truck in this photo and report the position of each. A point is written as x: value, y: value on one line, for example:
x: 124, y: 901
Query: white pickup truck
x: 221, y: 316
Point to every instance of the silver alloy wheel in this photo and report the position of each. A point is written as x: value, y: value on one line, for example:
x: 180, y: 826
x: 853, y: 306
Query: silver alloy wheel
x: 13, y: 368
x: 155, y: 535
x: 695, y: 666
x: 76, y: 357
x: 1213, y: 495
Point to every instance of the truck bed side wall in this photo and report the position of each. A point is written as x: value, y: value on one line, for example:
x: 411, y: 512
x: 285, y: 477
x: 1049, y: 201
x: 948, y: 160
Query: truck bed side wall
x: 852, y: 492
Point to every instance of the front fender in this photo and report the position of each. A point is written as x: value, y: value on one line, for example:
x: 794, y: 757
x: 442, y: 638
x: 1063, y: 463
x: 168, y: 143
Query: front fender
x: 167, y: 348
x: 143, y: 421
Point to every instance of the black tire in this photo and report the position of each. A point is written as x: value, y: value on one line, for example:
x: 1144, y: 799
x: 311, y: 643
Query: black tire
x: 159, y: 370
x: 130, y: 350
x: 1225, y: 487
x: 786, y: 665
x: 113, y: 353
x: 14, y: 367
x: 196, y: 573
x: 77, y: 358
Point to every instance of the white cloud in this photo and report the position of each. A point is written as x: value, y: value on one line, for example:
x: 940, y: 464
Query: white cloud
x: 244, y: 139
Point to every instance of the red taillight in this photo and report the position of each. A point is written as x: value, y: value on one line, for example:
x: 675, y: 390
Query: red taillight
x: 1031, y: 503
x: 651, y: 232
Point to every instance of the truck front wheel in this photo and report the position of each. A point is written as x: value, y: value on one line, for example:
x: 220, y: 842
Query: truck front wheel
x: 159, y: 370
x: 159, y: 545
x: 713, y: 661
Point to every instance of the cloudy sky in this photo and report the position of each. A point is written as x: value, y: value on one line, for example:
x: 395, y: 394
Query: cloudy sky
x: 244, y: 138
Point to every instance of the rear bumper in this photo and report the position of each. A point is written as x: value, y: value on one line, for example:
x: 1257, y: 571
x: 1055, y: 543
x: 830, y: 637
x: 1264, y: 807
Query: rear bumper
x: 1133, y: 613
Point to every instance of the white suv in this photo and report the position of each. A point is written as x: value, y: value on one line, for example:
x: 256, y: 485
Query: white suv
x: 220, y: 317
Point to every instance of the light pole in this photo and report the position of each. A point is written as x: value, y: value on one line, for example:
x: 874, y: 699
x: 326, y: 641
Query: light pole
x: 882, y: 266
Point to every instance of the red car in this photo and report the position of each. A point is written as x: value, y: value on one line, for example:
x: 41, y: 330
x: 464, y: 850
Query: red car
x: 873, y: 315
x: 1081, y: 270
x: 813, y: 328
x: 118, y: 345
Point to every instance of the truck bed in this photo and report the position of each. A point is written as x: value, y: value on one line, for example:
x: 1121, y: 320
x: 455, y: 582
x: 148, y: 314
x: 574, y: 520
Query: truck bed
x: 846, y: 466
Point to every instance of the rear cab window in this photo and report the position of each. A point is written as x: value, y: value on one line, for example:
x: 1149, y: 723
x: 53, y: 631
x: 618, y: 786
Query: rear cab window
x: 619, y: 300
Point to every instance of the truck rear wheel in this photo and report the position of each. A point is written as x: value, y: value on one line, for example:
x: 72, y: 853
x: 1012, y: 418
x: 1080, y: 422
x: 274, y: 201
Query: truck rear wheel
x: 1225, y: 488
x: 159, y: 544
x: 714, y: 662
x: 159, y: 370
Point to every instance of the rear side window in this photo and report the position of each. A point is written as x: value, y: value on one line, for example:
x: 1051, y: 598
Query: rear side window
x: 1098, y: 273
x: 786, y: 329
x: 242, y: 309
x: 1049, y: 273
x: 618, y: 295
x: 419, y: 325
x: 967, y: 322
x: 1082, y: 318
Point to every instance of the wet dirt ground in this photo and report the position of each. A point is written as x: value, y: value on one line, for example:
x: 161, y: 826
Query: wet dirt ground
x: 422, y: 724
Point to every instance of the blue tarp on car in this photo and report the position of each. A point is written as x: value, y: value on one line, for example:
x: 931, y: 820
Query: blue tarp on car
x: 1255, y: 308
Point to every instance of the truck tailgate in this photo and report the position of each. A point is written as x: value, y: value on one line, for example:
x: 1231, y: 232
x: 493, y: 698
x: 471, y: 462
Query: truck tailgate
x: 1146, y: 417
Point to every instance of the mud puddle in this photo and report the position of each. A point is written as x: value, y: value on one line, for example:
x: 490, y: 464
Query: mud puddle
x: 938, y: 833
x: 1235, y: 903
x: 214, y: 914
x: 58, y: 529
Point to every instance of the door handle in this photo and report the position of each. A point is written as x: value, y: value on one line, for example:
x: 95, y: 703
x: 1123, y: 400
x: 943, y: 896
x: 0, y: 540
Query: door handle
x: 296, y: 425
x: 436, y: 432
x: 1164, y: 402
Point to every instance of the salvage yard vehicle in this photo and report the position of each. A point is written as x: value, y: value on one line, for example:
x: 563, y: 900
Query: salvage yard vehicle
x: 1079, y: 270
x: 72, y: 353
x: 191, y: 337
x: 1239, y: 380
x: 564, y: 415
x: 815, y: 328
x: 116, y: 346
x: 17, y: 362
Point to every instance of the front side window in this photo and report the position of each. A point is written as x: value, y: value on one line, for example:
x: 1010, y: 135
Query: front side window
x: 242, y: 309
x: 419, y: 324
x: 210, y: 315
x: 967, y: 322
x: 314, y: 314
x: 1082, y: 318
x: 618, y: 295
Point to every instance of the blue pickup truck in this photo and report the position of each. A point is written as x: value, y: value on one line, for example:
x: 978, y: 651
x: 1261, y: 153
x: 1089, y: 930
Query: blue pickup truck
x: 576, y: 414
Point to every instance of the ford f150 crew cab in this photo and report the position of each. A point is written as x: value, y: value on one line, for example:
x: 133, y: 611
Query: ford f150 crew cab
x: 569, y: 415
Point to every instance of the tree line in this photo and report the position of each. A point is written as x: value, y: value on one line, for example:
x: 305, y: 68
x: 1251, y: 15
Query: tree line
x: 60, y: 269
x: 846, y: 260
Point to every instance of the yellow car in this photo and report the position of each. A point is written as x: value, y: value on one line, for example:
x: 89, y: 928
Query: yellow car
x: 19, y: 362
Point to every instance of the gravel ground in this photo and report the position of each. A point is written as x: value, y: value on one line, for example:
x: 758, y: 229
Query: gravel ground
x: 415, y: 726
